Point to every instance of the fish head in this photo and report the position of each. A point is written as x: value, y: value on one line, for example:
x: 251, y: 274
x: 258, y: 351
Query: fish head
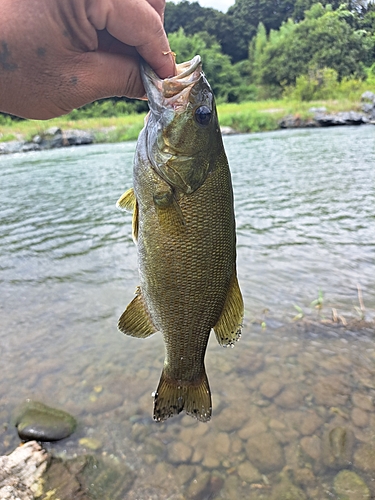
x: 182, y: 127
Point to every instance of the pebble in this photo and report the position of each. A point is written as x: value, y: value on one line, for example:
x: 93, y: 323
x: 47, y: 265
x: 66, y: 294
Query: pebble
x: 289, y: 398
x: 312, y: 446
x: 331, y: 391
x: 37, y: 421
x: 247, y: 472
x: 271, y: 388
x: 360, y: 418
x: 264, y: 452
x: 364, y: 458
x: 349, y: 486
x: 363, y: 402
x: 179, y: 452
x: 310, y: 423
x: 91, y: 443
x: 304, y: 477
x: 252, y: 429
x: 338, y: 444
x: 231, y: 419
x: 197, y: 487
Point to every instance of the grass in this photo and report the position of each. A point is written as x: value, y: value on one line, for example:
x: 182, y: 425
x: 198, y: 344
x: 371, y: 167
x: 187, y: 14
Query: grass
x: 244, y: 117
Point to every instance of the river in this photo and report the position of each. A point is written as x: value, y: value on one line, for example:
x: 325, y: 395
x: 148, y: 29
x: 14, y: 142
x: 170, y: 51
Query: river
x: 293, y: 402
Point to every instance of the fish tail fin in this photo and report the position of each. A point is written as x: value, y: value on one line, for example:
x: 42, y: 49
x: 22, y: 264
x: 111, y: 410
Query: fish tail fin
x: 173, y: 396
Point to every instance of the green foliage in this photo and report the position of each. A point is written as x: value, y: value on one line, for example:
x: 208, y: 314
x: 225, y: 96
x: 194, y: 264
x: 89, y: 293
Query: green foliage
x: 323, y: 39
x: 249, y: 121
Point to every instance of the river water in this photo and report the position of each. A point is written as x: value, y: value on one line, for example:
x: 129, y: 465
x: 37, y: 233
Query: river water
x: 293, y: 402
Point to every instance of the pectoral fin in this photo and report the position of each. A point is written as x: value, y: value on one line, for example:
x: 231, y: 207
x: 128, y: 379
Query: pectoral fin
x: 136, y: 321
x: 228, y: 327
x: 128, y: 202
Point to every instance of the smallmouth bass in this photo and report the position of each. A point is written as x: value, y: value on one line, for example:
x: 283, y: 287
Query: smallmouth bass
x: 184, y: 228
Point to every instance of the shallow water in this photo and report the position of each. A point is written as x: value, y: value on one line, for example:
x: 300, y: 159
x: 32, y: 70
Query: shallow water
x: 293, y: 402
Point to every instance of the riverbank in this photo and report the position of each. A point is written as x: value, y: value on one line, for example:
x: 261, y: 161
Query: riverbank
x: 31, y: 135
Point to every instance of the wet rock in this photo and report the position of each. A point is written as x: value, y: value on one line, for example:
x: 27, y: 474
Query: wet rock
x: 368, y: 96
x: 363, y: 402
x: 332, y: 390
x: 338, y: 444
x: 252, y: 429
x: 77, y: 137
x: 87, y: 477
x: 21, y: 472
x: 227, y: 131
x: 312, y: 446
x: 349, y: 486
x: 91, y: 443
x: 11, y: 147
x: 52, y: 138
x: 247, y: 472
x: 360, y: 418
x: 231, y: 419
x: 339, y: 119
x: 103, y: 402
x: 179, y: 452
x: 198, y: 486
x: 304, y: 477
x: 270, y: 388
x: 364, y: 458
x: 295, y: 121
x: 265, y: 452
x: 310, y: 423
x: 286, y: 490
x: 290, y: 398
x: 36, y: 421
x: 184, y: 473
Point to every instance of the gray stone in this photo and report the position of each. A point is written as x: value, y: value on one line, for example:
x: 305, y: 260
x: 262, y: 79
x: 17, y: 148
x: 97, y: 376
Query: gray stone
x: 349, y: 486
x: 36, y: 421
x: 360, y: 418
x: 30, y: 146
x: 339, y: 119
x: 265, y: 452
x: 318, y: 110
x: 363, y: 401
x: 11, y: 147
x: 270, y: 388
x: 247, y: 472
x: 368, y: 96
x: 179, y: 452
x: 198, y: 486
x: 75, y: 137
x: 364, y: 458
x: 312, y: 446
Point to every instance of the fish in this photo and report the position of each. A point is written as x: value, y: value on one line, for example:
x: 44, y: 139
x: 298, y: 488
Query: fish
x: 184, y: 227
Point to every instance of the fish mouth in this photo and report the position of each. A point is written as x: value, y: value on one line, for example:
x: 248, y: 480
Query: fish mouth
x: 174, y: 91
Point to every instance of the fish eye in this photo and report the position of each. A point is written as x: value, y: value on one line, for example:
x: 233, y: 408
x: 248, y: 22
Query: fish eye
x: 203, y: 115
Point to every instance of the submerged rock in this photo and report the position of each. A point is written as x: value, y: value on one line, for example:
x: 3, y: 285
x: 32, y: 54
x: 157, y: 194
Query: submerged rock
x: 265, y: 452
x: 364, y: 458
x: 37, y: 421
x: 349, y: 486
x: 338, y: 446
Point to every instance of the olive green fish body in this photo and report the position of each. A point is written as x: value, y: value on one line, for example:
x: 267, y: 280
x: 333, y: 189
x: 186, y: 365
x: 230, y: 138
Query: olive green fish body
x: 185, y: 230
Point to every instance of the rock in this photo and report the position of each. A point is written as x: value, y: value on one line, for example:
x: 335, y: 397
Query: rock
x: 229, y: 419
x: 52, y: 138
x: 77, y: 137
x: 252, y: 429
x: 21, y: 472
x: 247, y: 472
x: 184, y: 473
x: 360, y: 418
x: 265, y: 452
x: 290, y: 398
x: 362, y: 401
x: 368, y: 96
x: 341, y: 118
x: 179, y: 452
x: 270, y: 388
x: 338, y: 444
x: 349, y: 486
x: 286, y: 490
x: 91, y: 443
x: 304, y: 477
x: 331, y: 391
x: 11, y: 147
x: 198, y: 486
x: 227, y: 131
x: 36, y: 421
x: 30, y: 146
x: 310, y: 423
x: 364, y: 458
x: 312, y: 446
x: 291, y: 121
x: 87, y: 477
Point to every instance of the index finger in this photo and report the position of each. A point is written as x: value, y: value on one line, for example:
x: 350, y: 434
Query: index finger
x: 139, y: 24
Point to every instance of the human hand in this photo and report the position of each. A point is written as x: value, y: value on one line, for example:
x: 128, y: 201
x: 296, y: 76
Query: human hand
x: 57, y: 55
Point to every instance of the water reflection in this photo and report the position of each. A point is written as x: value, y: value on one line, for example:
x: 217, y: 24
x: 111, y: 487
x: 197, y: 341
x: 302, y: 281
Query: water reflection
x: 293, y: 413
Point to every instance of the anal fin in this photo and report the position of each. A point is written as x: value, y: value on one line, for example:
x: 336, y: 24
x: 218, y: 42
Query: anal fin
x: 173, y: 396
x: 228, y: 327
x: 135, y: 320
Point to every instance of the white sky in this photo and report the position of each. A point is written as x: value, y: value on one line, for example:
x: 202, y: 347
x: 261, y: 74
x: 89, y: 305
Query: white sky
x: 222, y: 5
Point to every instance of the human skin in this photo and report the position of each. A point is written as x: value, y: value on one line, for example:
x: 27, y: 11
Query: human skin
x: 57, y: 55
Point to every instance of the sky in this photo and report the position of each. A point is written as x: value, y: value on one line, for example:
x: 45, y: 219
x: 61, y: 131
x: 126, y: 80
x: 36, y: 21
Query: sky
x: 222, y: 5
